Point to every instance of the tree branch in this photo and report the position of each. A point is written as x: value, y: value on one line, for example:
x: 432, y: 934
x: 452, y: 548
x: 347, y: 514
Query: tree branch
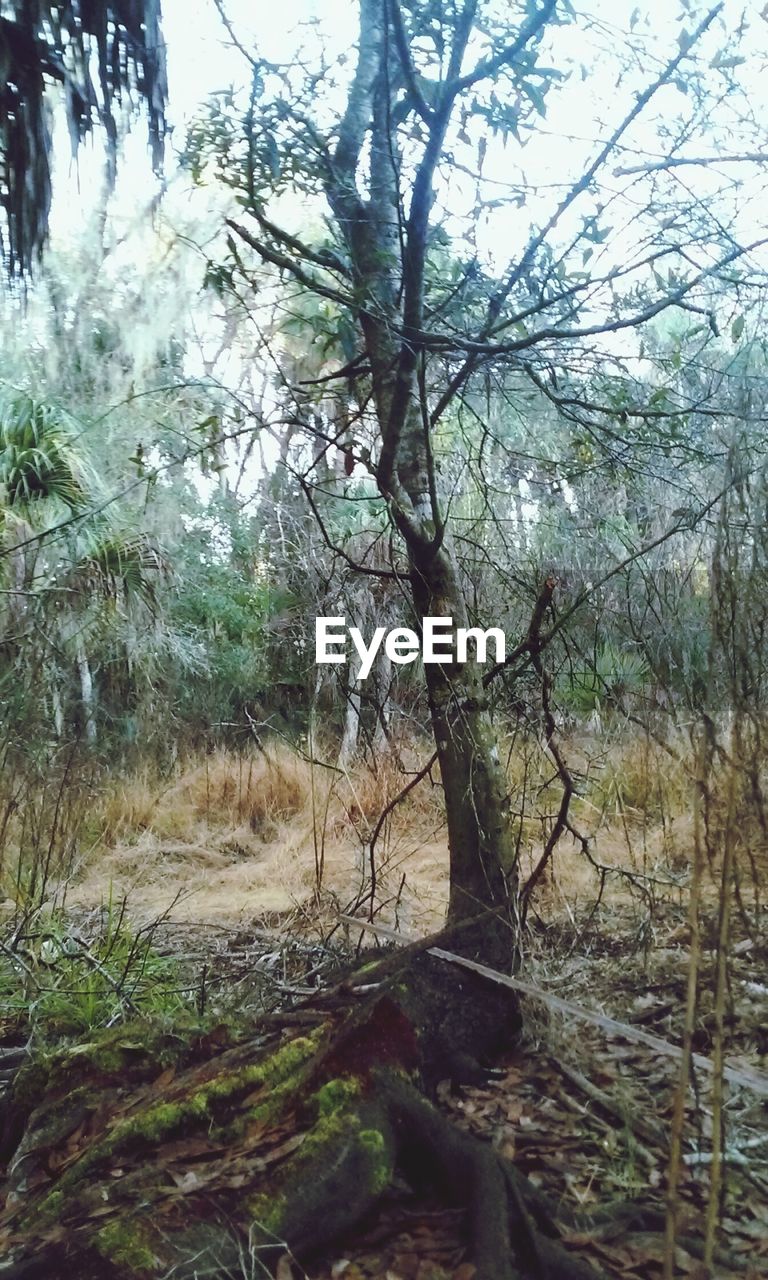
x: 677, y: 162
x: 285, y: 263
x: 605, y: 151
x: 406, y: 62
x: 489, y: 67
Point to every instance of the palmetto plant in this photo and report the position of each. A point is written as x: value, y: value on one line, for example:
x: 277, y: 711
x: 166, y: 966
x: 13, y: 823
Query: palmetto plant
x: 117, y: 565
x: 39, y: 459
x: 610, y: 677
x: 84, y: 584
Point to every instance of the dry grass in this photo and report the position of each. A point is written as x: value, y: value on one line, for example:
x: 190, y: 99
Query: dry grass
x: 127, y: 808
x: 250, y: 834
x: 246, y: 834
x: 221, y: 790
x: 258, y: 790
x: 638, y: 780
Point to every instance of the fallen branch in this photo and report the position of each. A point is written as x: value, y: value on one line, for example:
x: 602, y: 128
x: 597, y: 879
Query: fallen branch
x: 742, y: 1076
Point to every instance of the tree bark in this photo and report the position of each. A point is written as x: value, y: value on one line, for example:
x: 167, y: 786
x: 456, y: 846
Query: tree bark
x: 480, y: 838
x: 87, y: 693
x: 349, y: 737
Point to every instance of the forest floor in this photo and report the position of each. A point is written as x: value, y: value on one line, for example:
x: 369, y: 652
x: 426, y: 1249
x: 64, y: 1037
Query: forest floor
x: 583, y: 1112
x: 586, y: 1115
x: 225, y: 870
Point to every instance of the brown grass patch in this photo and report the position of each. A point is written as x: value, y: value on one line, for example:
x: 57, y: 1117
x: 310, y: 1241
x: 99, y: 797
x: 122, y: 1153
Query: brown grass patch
x: 257, y: 789
x: 241, y: 835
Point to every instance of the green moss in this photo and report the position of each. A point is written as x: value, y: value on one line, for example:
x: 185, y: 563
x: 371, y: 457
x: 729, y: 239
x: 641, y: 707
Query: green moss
x: 267, y: 1213
x: 159, y: 1121
x: 108, y: 1057
x: 215, y: 1103
x: 343, y: 1159
x: 335, y: 1094
x: 288, y: 1061
x: 141, y: 1047
x: 51, y: 1206
x: 30, y: 1083
x: 124, y: 1244
x: 328, y: 1131
x: 375, y: 1148
x: 277, y: 1074
x: 165, y: 1118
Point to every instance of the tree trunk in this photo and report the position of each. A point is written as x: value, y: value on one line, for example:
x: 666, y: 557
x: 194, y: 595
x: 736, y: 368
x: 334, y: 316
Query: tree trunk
x: 383, y: 705
x: 351, y: 727
x: 483, y: 872
x: 57, y: 708
x: 87, y: 695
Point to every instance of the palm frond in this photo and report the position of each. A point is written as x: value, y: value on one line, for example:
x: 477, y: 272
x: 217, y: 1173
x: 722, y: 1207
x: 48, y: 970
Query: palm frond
x: 38, y: 455
x: 613, y: 676
x: 119, y: 565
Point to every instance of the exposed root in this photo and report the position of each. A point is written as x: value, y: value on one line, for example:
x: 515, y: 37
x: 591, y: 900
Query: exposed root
x: 285, y: 1148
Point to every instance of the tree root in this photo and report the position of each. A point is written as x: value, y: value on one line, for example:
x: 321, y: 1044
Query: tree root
x: 509, y: 1219
x: 289, y: 1148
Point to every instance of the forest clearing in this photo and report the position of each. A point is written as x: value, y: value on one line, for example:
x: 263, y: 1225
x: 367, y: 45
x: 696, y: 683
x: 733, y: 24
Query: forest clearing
x: 383, y: 640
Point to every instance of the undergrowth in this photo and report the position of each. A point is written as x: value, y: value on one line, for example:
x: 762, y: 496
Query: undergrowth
x: 270, y: 831
x: 57, y: 980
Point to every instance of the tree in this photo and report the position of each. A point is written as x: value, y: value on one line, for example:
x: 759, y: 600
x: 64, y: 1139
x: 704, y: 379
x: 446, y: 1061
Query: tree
x: 434, y: 91
x: 59, y: 44
x: 437, y: 88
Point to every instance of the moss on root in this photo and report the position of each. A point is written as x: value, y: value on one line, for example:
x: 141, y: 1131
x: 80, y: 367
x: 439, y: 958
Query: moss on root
x: 373, y: 1143
x: 125, y: 1245
x: 214, y: 1105
x: 345, y: 1162
x: 295, y: 1146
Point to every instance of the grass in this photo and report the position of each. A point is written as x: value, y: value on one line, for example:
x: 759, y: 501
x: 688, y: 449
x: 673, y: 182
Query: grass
x: 259, y: 833
x: 258, y: 790
x: 637, y: 778
x: 55, y: 981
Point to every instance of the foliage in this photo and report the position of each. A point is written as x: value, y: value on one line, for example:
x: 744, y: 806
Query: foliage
x: 55, y: 982
x: 612, y: 678
x: 65, y: 43
x: 38, y: 454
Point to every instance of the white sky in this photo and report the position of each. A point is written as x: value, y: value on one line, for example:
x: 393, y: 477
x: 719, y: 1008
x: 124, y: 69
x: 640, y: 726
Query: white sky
x: 201, y: 60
